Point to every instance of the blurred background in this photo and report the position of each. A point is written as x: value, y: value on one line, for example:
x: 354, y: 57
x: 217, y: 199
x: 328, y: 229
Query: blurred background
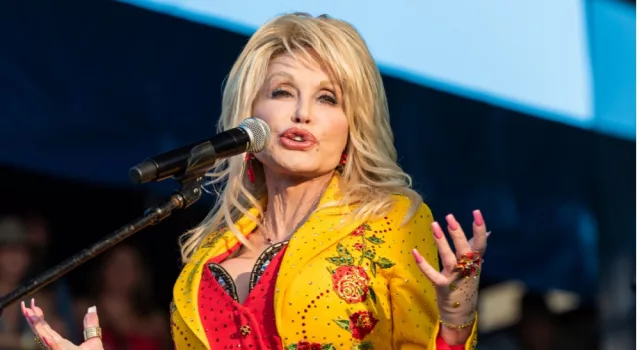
x: 523, y: 109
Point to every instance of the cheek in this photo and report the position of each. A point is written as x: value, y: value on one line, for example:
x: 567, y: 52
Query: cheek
x: 273, y: 111
x: 338, y: 133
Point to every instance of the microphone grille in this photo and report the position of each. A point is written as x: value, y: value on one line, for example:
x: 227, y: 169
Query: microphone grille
x: 259, y: 133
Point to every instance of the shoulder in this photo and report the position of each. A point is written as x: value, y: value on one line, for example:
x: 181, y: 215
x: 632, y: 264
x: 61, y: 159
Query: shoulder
x: 405, y: 226
x: 406, y: 211
x: 407, y: 221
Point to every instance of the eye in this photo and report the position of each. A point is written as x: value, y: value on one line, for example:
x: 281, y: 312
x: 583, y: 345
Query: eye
x: 328, y: 99
x: 280, y: 92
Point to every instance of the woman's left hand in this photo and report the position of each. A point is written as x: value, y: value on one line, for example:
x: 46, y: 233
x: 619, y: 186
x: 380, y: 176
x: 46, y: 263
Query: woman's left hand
x: 457, y: 284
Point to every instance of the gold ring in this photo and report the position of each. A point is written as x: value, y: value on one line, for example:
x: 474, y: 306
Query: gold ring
x: 92, y: 332
x: 469, y: 264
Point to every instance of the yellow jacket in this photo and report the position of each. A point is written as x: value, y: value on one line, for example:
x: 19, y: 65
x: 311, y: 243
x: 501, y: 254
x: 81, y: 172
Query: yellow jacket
x: 378, y: 298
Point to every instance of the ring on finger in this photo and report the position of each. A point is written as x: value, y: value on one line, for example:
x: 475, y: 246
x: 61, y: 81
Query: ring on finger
x: 469, y: 264
x: 92, y: 332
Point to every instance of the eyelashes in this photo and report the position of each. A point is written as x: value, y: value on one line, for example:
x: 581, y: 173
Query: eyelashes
x: 280, y: 93
x: 325, y: 97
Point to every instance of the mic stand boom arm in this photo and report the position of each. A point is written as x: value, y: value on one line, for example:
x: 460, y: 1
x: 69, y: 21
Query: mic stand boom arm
x: 190, y: 191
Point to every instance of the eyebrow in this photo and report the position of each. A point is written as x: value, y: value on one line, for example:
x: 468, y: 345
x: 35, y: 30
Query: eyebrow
x: 283, y: 74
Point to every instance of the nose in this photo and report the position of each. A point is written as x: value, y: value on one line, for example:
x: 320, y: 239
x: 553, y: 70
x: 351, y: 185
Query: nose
x: 303, y: 112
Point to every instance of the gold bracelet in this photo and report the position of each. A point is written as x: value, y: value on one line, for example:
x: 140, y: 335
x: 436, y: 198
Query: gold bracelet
x: 462, y: 326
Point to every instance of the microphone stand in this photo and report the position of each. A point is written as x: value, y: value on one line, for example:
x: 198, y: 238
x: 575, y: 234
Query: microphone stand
x: 190, y: 191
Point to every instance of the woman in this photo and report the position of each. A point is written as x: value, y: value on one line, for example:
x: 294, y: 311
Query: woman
x: 124, y: 293
x: 316, y: 242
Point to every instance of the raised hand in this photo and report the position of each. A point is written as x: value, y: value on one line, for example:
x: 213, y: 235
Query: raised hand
x: 50, y: 339
x: 457, y: 284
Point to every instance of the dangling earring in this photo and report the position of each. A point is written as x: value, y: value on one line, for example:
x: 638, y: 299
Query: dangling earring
x: 343, y: 163
x: 251, y: 175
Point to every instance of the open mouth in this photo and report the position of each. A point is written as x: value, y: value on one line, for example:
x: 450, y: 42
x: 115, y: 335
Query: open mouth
x: 297, y: 139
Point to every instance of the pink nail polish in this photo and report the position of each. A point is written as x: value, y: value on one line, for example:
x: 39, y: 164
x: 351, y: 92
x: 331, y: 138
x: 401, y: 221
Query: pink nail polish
x: 417, y: 256
x: 46, y: 342
x: 32, y: 319
x: 452, y: 223
x: 477, y: 218
x: 437, y: 230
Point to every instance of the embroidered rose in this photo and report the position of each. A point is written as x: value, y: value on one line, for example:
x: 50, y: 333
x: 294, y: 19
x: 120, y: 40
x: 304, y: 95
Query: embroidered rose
x: 351, y: 283
x: 362, y: 323
x: 358, y: 246
x: 359, y: 231
x: 305, y: 345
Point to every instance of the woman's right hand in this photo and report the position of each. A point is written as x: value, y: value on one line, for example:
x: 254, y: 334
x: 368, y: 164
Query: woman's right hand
x: 51, y: 339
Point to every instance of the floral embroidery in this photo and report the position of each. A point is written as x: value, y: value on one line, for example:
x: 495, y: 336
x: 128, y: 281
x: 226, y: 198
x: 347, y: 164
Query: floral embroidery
x: 305, y: 345
x: 351, y: 283
x: 361, y: 323
x: 359, y: 231
x: 345, y: 258
x: 366, y: 345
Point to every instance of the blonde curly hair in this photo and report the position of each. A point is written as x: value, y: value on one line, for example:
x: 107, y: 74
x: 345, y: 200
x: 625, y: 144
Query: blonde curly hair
x: 371, y: 174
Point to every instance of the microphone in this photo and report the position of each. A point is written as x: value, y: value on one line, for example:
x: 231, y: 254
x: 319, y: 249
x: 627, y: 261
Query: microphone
x: 252, y: 135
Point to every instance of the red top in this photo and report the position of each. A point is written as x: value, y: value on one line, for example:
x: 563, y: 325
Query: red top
x: 229, y: 324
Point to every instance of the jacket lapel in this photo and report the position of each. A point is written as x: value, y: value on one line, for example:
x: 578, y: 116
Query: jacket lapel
x: 324, y: 228
x: 322, y: 231
x: 185, y: 291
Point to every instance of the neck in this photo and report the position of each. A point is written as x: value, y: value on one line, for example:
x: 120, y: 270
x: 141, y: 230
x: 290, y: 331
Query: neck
x: 290, y: 202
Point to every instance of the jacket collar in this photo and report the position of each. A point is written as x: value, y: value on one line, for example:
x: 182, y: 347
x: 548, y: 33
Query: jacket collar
x: 322, y: 230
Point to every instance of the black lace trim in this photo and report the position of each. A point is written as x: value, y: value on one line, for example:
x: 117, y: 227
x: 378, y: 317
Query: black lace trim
x: 224, y: 280
x: 263, y: 261
x: 228, y: 284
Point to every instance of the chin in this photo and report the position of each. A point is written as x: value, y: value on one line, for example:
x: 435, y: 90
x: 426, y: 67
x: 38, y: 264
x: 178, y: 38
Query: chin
x: 298, y: 166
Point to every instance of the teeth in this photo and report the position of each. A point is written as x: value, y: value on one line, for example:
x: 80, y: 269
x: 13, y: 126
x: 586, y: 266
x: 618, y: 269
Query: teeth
x: 298, y: 138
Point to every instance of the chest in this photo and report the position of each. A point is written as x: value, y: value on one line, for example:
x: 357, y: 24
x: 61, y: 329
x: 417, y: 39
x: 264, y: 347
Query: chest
x: 239, y: 273
x: 238, y: 270
x: 331, y: 285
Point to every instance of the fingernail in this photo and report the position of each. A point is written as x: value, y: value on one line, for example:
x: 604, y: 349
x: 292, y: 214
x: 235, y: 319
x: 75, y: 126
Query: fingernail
x: 32, y: 319
x: 488, y: 234
x: 451, y: 221
x: 417, y: 256
x: 92, y: 309
x: 436, y: 230
x: 477, y: 218
x: 46, y: 342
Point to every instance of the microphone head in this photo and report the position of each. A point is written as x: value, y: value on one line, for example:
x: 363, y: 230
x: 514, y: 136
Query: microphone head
x: 259, y: 133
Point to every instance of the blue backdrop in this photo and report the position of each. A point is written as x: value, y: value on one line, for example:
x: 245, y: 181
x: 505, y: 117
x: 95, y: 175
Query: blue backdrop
x: 88, y: 89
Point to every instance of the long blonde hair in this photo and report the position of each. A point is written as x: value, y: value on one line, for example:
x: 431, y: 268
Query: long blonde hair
x: 371, y: 174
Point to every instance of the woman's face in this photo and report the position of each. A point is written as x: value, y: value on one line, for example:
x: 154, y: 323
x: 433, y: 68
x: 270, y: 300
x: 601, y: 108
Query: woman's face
x: 303, y: 108
x: 122, y: 270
